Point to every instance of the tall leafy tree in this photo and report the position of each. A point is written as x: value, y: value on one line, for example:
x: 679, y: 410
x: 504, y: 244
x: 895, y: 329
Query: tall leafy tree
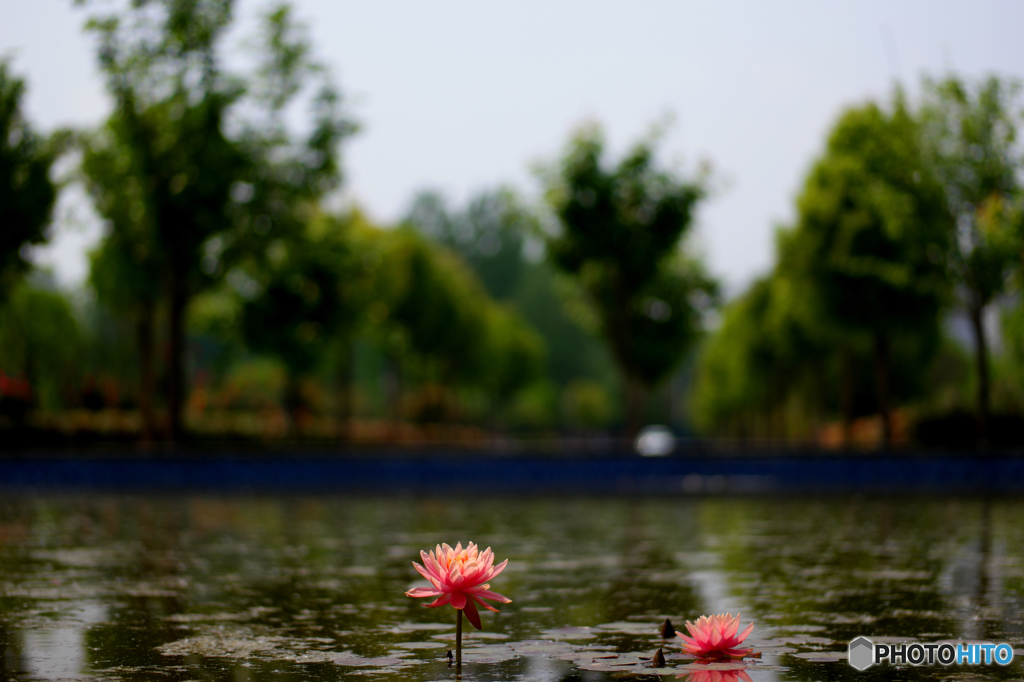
x: 620, y: 233
x: 869, y: 243
x: 209, y: 193
x: 970, y: 132
x: 27, y: 193
x: 123, y: 266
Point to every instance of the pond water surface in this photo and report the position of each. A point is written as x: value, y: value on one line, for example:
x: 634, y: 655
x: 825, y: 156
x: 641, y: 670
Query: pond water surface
x: 199, y: 587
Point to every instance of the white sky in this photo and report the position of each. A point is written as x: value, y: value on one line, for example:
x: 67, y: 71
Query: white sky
x: 463, y: 96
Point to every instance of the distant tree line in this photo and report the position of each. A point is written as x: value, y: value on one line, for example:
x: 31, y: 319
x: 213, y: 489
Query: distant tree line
x: 224, y: 284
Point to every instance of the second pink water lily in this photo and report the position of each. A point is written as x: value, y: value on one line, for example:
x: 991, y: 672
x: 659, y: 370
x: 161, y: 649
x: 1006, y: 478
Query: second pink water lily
x: 459, y: 577
x: 715, y: 636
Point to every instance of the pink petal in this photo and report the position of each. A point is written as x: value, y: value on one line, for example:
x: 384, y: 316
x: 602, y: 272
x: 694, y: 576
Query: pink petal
x: 497, y: 569
x: 743, y: 635
x: 458, y: 600
x: 424, y: 572
x: 730, y: 629
x: 473, y: 615
x: 482, y: 603
x: 423, y: 592
x: 690, y: 643
x: 482, y: 591
x: 440, y: 601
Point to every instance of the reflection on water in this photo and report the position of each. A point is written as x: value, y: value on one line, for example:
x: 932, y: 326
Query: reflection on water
x: 283, y: 588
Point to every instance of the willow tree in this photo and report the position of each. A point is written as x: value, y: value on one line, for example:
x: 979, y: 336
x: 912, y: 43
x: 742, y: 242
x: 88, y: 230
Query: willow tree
x: 620, y: 236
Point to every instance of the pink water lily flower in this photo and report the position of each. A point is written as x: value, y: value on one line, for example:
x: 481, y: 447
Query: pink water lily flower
x: 715, y: 636
x: 459, y: 577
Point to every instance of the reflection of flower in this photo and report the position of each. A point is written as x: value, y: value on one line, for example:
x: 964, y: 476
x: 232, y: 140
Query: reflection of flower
x: 714, y: 676
x: 458, y: 577
x: 715, y: 636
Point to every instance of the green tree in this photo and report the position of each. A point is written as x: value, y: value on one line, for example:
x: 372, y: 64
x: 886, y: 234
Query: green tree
x: 760, y: 360
x: 206, y: 198
x: 312, y: 292
x: 489, y: 235
x: 123, y: 265
x: 869, y: 241
x: 41, y: 341
x: 970, y: 133
x: 27, y: 194
x: 620, y: 233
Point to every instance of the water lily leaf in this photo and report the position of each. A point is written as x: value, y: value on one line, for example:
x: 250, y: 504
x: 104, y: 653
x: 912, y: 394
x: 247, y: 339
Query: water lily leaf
x: 469, y: 637
x: 379, y: 662
x: 774, y: 650
x: 488, y: 649
x: 413, y: 627
x: 569, y: 633
x: 540, y: 647
x: 420, y: 645
x: 483, y: 657
x: 823, y: 656
x: 631, y: 628
x: 806, y: 639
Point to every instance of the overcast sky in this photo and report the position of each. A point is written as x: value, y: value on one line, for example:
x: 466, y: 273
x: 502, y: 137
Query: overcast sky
x: 464, y: 96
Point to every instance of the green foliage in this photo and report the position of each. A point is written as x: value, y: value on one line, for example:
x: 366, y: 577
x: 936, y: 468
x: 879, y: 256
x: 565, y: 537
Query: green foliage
x: 760, y: 358
x: 515, y: 353
x: 586, y: 404
x: 870, y: 236
x: 40, y: 341
x: 311, y: 289
x: 971, y: 140
x: 432, y: 305
x: 620, y: 230
x: 27, y: 194
x: 489, y: 235
x: 855, y: 298
x: 971, y: 143
x: 188, y: 197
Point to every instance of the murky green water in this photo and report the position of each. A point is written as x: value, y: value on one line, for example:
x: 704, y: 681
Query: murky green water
x: 289, y: 588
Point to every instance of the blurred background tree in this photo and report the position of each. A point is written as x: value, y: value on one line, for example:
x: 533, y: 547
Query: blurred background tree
x: 204, y: 198
x: 27, y: 193
x: 43, y: 344
x: 620, y: 234
x: 970, y: 133
x: 494, y: 234
x: 868, y: 247
x: 313, y: 290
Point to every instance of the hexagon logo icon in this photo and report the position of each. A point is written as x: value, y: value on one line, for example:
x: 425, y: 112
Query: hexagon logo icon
x: 862, y: 653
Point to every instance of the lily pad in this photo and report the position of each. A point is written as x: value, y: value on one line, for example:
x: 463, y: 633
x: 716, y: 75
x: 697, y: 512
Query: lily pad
x: 569, y: 633
x: 466, y: 637
x: 534, y: 646
x: 644, y: 628
x: 382, y: 662
x: 823, y: 656
x: 420, y: 645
